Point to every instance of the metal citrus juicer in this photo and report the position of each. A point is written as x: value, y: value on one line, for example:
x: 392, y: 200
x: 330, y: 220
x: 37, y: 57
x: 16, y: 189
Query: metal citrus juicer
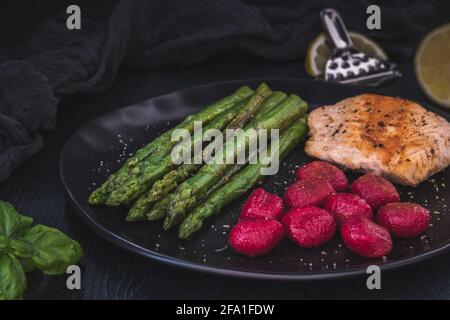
x: 347, y: 64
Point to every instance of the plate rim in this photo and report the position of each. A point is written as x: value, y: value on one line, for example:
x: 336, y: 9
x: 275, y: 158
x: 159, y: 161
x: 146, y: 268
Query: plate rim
x: 128, y: 245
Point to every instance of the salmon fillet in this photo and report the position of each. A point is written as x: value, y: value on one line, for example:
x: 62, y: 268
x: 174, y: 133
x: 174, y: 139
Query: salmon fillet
x: 392, y: 137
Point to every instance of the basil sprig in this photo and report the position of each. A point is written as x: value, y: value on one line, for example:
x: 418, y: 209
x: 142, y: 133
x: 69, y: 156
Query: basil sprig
x: 24, y: 247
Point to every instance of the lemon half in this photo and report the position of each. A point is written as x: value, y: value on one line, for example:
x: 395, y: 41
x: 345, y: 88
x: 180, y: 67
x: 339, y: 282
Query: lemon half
x: 432, y: 65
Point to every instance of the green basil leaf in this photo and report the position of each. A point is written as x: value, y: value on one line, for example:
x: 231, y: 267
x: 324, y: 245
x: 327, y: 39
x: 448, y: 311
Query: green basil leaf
x: 54, y: 251
x: 21, y: 248
x: 11, y: 222
x: 12, y: 278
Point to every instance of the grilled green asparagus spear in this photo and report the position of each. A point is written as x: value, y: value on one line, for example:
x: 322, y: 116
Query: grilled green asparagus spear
x: 240, y: 183
x: 151, y: 171
x: 262, y: 92
x: 270, y: 103
x: 172, y: 179
x: 163, y: 144
x: 187, y: 193
x: 168, y: 183
x: 159, y: 208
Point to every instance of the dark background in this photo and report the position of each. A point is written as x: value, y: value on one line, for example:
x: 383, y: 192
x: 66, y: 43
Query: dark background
x: 111, y: 273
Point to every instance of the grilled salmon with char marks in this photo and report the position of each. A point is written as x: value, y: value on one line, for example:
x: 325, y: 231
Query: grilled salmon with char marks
x: 393, y: 137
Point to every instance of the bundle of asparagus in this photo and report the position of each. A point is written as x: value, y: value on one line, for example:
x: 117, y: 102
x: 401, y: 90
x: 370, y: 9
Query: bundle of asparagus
x: 190, y: 193
x: 152, y: 153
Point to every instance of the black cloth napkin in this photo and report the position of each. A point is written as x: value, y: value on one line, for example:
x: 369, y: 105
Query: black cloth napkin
x: 56, y: 62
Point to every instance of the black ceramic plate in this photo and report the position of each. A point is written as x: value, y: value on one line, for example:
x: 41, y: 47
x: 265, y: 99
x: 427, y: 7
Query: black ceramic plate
x: 101, y: 146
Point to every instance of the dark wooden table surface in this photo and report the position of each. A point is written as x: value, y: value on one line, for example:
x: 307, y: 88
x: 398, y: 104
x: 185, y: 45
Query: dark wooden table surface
x: 112, y: 273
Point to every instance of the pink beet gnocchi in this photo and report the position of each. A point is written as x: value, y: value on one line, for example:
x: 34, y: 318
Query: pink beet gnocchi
x: 308, y: 192
x: 262, y: 205
x: 323, y: 170
x: 309, y: 227
x: 345, y: 205
x: 404, y: 219
x: 376, y: 190
x: 366, y: 238
x: 255, y: 237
